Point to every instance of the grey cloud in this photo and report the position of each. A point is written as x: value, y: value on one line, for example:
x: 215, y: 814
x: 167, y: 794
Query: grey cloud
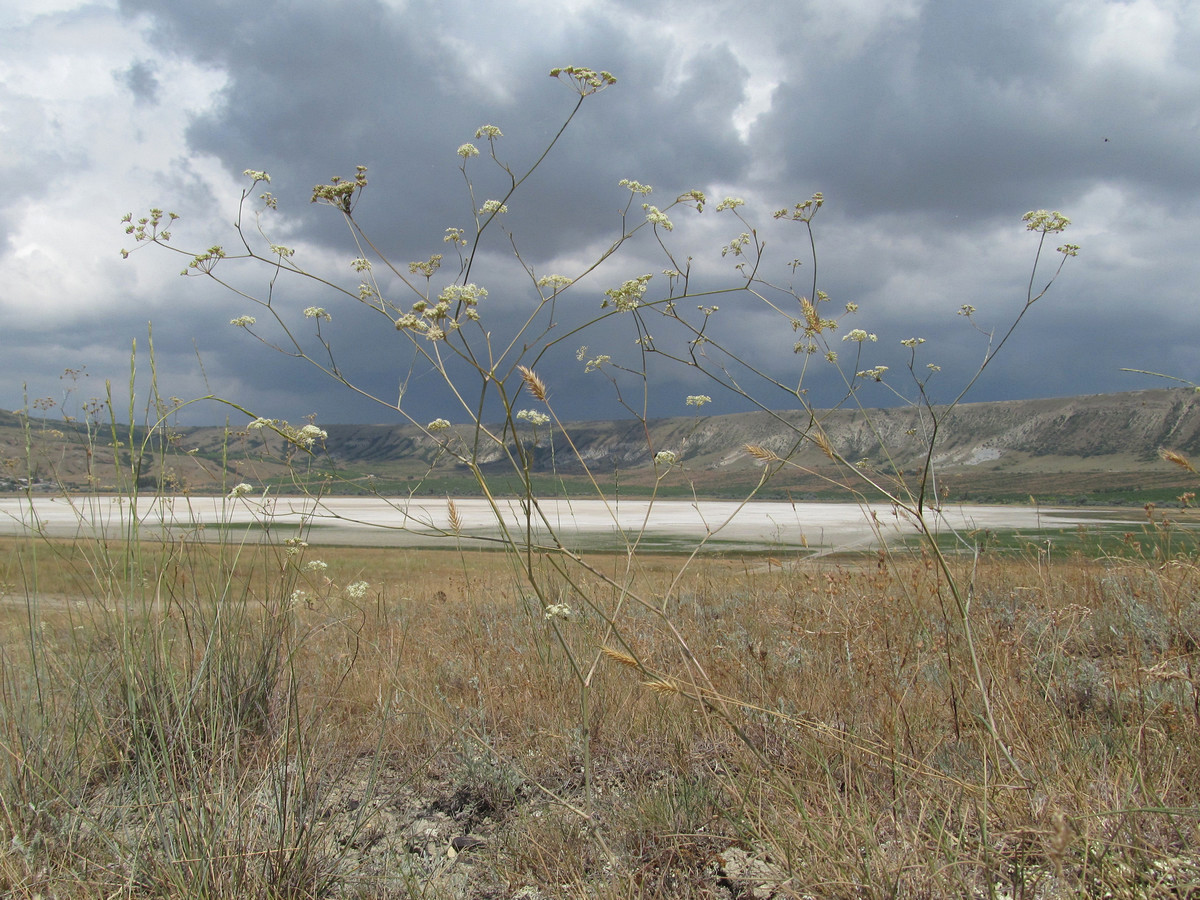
x: 929, y: 127
x: 141, y: 78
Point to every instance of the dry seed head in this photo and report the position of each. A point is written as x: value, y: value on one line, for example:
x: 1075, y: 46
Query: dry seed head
x: 1174, y: 456
x: 759, y: 452
x: 619, y: 656
x: 662, y: 686
x: 455, y: 520
x: 822, y: 441
x: 536, y: 386
x: 810, y: 315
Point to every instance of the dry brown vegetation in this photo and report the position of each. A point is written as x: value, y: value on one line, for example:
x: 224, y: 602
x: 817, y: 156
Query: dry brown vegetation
x: 177, y: 721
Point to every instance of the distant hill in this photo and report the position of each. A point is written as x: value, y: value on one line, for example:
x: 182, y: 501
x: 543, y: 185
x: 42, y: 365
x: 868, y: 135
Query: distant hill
x: 1099, y: 448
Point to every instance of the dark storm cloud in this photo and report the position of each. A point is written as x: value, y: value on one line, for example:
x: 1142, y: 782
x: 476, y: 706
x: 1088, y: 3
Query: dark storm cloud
x: 141, y: 78
x: 930, y: 127
x: 311, y: 95
x: 972, y: 108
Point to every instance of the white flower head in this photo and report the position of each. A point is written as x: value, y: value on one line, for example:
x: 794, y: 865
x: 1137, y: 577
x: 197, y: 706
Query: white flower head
x: 859, y: 336
x: 657, y: 217
x: 257, y: 175
x: 243, y: 321
x: 554, y: 282
x: 698, y: 400
x: 875, y: 373
x: 533, y: 417
x: 635, y: 187
x: 437, y: 425
x: 316, y: 565
x: 493, y: 207
x: 240, y: 490
x: 356, y: 590
x: 665, y: 458
x: 309, y: 434
x: 316, y: 312
x: 558, y: 611
x: 1045, y: 221
x: 488, y: 131
x: 466, y: 151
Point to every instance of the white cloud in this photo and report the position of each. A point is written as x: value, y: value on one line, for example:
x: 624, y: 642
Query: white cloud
x: 84, y: 153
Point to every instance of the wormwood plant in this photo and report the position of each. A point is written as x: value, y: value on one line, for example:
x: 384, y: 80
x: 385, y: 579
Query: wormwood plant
x: 438, y: 307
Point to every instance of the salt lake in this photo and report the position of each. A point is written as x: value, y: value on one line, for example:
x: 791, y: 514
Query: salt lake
x: 660, y: 524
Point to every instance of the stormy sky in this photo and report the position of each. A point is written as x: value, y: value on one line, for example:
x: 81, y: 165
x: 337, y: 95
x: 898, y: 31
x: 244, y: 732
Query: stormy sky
x: 930, y: 127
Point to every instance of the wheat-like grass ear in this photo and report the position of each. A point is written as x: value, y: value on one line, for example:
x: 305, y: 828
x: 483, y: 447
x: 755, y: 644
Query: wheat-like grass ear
x: 620, y: 656
x: 536, y: 386
x: 1174, y: 456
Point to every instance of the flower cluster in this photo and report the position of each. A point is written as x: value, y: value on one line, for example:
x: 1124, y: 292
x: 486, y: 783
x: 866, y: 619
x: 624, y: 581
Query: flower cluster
x: 466, y: 151
x: 437, y: 425
x: 665, y: 458
x: 1045, y: 221
x: 316, y: 312
x: 339, y: 192
x: 492, y: 207
x: 635, y: 187
x: 657, y: 217
x: 240, y: 490
x: 426, y: 267
x: 556, y: 283
x: 455, y: 302
x: 304, y: 437
x: 698, y: 400
x: 533, y: 417
x: 205, y: 262
x: 558, y: 611
x: 146, y: 228
x: 356, y: 590
x: 859, y: 336
x: 307, y: 436
x: 243, y: 321
x: 584, y: 81
x: 735, y: 246
x: 803, y: 212
x: 693, y: 198
x: 629, y: 295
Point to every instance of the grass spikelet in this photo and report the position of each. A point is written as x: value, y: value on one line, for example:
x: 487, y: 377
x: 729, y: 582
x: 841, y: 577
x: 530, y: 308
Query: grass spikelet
x: 759, y: 452
x: 662, y: 686
x: 822, y: 441
x: 536, y: 386
x: 621, y: 657
x: 1174, y: 456
x: 455, y: 519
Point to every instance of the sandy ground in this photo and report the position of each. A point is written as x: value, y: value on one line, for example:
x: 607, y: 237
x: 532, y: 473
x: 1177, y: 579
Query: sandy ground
x: 423, y: 522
